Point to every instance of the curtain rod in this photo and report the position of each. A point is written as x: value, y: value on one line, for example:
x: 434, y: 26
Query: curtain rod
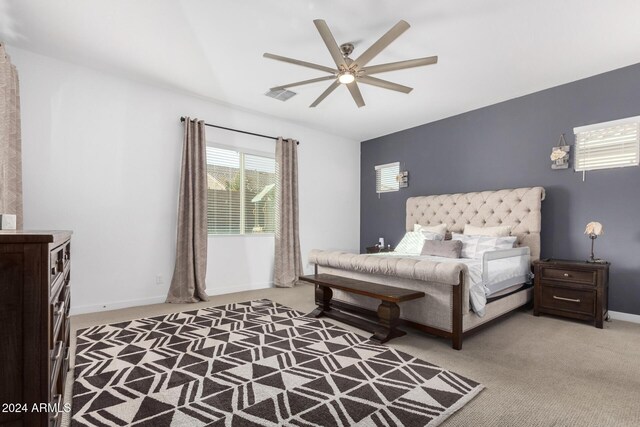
x: 182, y: 119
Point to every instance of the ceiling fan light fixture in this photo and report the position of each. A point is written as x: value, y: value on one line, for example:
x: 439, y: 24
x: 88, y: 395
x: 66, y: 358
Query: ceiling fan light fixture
x: 351, y: 72
x: 346, y: 77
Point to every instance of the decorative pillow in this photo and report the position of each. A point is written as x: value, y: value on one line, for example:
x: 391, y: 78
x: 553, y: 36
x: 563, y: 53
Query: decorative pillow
x: 476, y: 246
x: 448, y: 249
x: 497, y: 231
x: 432, y: 236
x: 438, y: 229
x: 411, y: 243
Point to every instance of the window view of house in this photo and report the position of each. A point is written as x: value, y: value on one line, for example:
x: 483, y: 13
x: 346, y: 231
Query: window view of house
x: 241, y: 192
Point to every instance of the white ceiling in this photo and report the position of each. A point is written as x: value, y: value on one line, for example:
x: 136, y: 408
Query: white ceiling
x: 489, y: 51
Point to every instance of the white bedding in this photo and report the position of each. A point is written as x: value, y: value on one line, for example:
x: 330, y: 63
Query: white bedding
x: 500, y: 274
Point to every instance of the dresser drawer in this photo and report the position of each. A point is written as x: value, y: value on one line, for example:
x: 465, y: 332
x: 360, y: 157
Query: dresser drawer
x: 65, y: 295
x: 566, y: 275
x: 66, y: 326
x: 67, y: 252
x: 565, y: 299
x: 58, y: 311
x: 57, y: 263
x: 57, y: 360
x: 62, y: 379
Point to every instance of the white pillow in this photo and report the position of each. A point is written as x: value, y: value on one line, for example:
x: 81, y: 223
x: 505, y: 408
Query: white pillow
x: 438, y: 229
x: 476, y: 246
x: 497, y: 231
x: 413, y: 241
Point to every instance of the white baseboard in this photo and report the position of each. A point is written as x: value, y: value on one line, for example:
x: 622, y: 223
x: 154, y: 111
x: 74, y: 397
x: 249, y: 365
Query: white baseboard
x: 238, y: 288
x: 93, y: 308
x: 627, y: 317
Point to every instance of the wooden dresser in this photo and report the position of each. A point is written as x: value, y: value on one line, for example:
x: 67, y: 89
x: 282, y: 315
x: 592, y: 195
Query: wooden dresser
x: 35, y: 296
x: 575, y: 289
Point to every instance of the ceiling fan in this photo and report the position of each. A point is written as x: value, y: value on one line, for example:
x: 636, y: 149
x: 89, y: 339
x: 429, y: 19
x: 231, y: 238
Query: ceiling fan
x: 349, y: 71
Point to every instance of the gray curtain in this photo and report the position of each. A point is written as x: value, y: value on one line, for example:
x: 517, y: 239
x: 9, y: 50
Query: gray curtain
x: 188, y: 282
x: 10, y: 143
x: 288, y: 262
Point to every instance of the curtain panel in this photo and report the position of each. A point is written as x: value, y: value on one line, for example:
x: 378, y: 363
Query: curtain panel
x: 288, y: 262
x: 188, y: 282
x: 10, y: 140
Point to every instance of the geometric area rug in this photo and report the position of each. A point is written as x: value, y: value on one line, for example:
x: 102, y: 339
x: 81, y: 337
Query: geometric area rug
x: 256, y: 363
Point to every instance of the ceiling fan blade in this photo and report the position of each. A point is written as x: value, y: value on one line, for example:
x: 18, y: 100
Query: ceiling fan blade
x: 304, y: 82
x: 330, y: 42
x: 401, y: 65
x: 326, y: 93
x: 301, y: 63
x: 384, y: 84
x: 382, y: 42
x: 355, y: 93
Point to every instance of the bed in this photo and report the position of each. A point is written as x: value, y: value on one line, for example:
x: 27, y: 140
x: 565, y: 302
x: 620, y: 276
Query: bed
x: 450, y: 284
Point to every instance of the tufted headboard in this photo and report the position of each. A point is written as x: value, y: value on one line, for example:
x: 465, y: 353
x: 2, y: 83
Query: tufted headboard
x: 519, y: 208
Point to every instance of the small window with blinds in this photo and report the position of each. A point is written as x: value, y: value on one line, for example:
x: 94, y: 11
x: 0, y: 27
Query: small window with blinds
x: 387, y: 177
x: 614, y: 144
x: 240, y: 192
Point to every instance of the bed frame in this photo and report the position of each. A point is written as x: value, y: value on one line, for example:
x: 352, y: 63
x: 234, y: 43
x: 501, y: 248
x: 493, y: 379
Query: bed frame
x: 445, y: 311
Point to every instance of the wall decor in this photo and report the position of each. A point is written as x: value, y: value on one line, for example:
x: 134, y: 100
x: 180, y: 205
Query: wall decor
x: 403, y: 179
x: 560, y: 154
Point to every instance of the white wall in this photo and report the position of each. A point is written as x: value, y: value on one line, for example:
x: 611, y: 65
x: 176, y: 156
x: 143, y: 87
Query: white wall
x: 101, y: 157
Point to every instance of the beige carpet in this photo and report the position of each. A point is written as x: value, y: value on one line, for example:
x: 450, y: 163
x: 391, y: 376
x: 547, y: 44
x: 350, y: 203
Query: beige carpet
x: 538, y: 371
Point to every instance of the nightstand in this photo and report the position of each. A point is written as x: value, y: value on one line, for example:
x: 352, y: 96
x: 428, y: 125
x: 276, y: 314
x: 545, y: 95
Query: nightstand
x: 376, y: 249
x: 575, y: 289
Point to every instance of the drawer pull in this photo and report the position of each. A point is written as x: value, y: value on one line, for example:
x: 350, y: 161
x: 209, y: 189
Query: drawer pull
x: 56, y: 403
x: 58, y: 351
x: 59, y: 308
x: 54, y: 270
x: 566, y: 299
x: 566, y: 274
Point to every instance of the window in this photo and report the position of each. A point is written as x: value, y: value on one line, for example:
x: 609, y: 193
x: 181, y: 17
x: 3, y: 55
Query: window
x: 387, y: 177
x: 240, y: 192
x: 607, y: 145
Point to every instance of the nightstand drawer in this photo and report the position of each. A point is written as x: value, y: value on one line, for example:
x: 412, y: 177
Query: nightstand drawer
x: 566, y: 275
x: 573, y: 300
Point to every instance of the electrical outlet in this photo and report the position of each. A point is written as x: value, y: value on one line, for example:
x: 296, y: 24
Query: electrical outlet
x: 159, y: 279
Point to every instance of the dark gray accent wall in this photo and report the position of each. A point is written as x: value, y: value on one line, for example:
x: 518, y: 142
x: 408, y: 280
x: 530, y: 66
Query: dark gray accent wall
x: 507, y: 145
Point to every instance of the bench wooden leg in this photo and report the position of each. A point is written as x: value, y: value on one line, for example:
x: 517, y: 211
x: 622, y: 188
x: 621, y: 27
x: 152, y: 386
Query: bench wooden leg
x: 456, y: 321
x: 388, y: 318
x: 323, y: 299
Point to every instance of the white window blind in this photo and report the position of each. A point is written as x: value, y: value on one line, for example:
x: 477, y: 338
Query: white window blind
x: 607, y: 145
x: 260, y: 194
x: 223, y: 191
x: 387, y: 177
x: 240, y: 192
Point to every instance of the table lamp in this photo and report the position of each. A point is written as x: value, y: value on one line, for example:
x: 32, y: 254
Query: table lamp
x: 593, y: 230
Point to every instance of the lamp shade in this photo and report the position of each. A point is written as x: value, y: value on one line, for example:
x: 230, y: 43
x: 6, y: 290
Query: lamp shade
x: 594, y: 229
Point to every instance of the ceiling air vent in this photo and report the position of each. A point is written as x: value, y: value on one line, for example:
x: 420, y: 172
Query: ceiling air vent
x: 280, y: 94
